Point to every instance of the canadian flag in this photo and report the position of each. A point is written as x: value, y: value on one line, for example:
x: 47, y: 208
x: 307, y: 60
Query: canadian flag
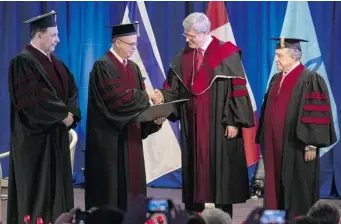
x: 221, y: 28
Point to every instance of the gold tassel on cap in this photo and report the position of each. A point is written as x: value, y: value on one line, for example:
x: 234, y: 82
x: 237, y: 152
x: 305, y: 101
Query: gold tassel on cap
x: 282, y: 43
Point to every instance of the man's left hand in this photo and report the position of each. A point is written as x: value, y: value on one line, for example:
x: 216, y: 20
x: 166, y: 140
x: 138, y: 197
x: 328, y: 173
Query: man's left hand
x: 231, y: 132
x: 160, y: 120
x: 310, y: 154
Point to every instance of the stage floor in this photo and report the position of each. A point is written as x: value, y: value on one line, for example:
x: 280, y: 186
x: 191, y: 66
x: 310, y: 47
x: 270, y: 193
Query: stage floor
x: 240, y: 211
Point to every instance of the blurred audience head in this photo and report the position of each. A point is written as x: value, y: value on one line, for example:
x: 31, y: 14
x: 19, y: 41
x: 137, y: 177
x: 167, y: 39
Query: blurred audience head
x: 306, y: 220
x: 255, y: 215
x: 105, y: 215
x: 195, y: 219
x: 324, y: 213
x: 216, y: 216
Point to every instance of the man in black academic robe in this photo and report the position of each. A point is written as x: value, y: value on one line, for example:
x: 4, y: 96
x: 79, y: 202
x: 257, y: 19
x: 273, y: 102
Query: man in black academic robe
x: 210, y: 74
x: 296, y: 120
x: 43, y: 97
x: 114, y: 162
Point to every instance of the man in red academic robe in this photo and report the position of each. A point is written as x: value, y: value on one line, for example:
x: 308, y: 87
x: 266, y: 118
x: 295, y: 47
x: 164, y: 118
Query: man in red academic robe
x: 43, y: 96
x: 114, y: 163
x: 210, y: 74
x: 296, y: 121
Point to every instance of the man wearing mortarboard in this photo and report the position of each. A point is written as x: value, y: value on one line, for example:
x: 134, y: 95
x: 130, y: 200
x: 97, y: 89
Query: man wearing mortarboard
x: 296, y: 120
x: 114, y: 162
x: 43, y: 97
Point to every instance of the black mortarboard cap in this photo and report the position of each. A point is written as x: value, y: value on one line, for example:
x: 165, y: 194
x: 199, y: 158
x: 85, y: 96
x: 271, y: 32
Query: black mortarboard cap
x: 43, y: 21
x: 292, y: 43
x: 125, y: 29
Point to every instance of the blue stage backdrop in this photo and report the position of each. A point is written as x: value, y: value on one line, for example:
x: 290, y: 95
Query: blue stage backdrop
x: 84, y: 39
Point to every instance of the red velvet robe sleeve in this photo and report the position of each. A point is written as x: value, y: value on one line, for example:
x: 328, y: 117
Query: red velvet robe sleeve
x: 315, y: 124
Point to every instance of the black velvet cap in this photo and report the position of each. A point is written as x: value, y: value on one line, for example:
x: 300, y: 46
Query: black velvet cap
x: 43, y: 21
x: 125, y: 29
x: 292, y: 43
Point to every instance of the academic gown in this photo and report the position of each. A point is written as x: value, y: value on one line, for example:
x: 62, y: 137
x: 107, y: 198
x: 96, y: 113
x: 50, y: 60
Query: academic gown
x: 293, y: 116
x: 213, y: 168
x: 41, y: 95
x: 114, y: 162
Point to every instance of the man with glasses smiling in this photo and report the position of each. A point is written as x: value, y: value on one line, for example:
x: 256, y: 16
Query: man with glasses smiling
x: 114, y: 163
x: 210, y: 74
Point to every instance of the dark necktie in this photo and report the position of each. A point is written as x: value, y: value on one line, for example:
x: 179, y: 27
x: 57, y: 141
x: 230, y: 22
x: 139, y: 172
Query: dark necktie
x: 200, y: 58
x: 124, y: 62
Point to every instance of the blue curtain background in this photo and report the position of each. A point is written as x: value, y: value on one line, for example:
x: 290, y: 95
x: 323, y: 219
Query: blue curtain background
x: 84, y: 38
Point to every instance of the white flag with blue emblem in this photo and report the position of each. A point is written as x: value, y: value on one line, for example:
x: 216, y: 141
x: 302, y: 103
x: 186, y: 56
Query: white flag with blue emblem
x: 162, y: 153
x: 298, y: 23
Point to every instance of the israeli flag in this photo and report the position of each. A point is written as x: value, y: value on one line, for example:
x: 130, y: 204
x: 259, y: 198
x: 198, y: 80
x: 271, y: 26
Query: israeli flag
x: 162, y: 153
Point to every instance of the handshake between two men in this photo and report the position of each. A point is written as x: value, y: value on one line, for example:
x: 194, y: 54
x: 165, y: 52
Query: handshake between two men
x: 157, y: 98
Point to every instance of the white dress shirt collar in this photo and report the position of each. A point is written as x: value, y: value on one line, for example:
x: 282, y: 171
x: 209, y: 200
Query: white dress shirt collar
x: 293, y: 67
x: 40, y: 50
x: 116, y: 55
x: 205, y: 46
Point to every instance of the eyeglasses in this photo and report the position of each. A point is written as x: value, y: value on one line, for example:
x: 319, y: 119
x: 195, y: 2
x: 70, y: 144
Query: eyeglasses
x: 191, y: 37
x: 131, y: 44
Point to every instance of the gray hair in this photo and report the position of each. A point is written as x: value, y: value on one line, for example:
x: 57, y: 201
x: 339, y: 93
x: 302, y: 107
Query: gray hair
x: 216, y: 216
x: 295, y: 53
x: 35, y: 31
x: 198, y: 21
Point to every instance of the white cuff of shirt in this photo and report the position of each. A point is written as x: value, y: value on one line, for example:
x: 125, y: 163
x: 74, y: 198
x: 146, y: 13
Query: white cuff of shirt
x: 311, y: 147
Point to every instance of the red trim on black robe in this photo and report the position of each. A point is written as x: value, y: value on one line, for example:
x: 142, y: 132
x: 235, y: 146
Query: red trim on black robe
x: 275, y: 116
x: 128, y: 80
x: 199, y: 111
x: 56, y: 71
